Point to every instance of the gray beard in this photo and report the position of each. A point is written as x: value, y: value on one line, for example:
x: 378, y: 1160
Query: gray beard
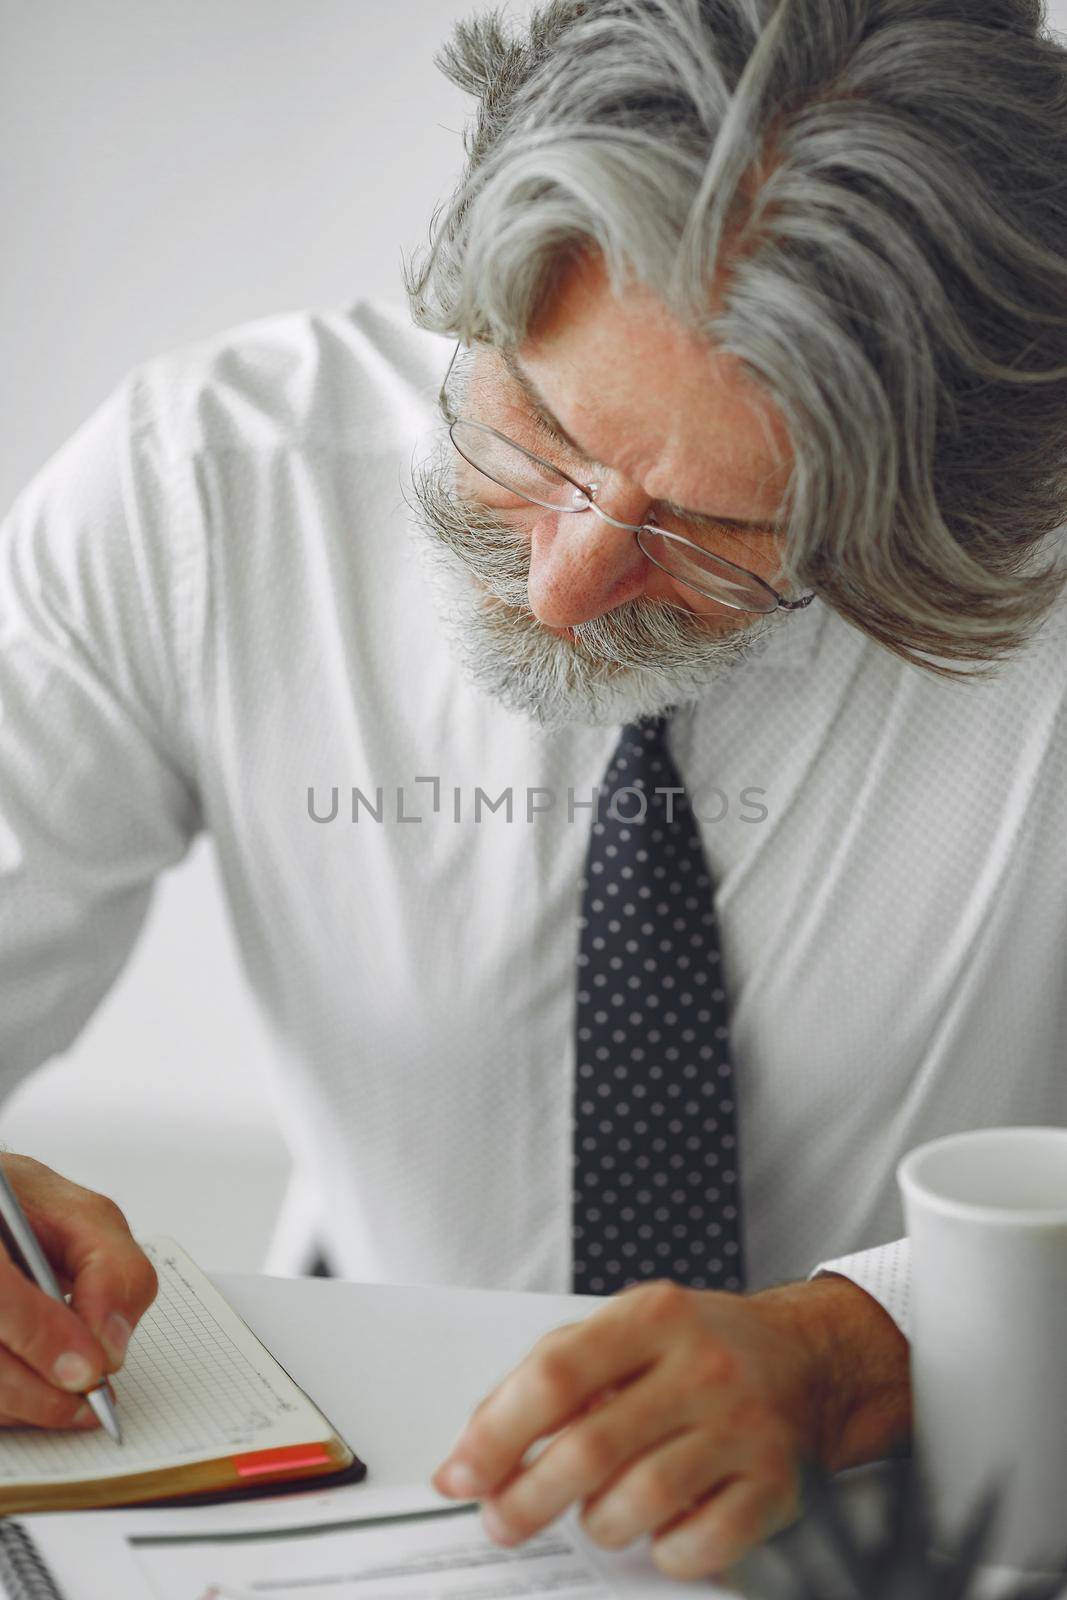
x: 640, y: 659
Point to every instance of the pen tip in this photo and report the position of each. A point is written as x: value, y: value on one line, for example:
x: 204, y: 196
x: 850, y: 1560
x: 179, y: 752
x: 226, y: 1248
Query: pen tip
x: 102, y: 1404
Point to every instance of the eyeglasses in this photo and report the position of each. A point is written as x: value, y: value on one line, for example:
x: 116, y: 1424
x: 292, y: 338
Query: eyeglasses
x: 539, y: 482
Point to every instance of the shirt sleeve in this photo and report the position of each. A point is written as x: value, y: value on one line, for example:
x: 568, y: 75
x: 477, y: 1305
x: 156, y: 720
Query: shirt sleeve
x: 884, y: 1272
x: 101, y: 606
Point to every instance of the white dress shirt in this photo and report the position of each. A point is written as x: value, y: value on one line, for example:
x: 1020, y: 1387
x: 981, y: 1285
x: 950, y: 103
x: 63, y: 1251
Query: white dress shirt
x: 213, y: 600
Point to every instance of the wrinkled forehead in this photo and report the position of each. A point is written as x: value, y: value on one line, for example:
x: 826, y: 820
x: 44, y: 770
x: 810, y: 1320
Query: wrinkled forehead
x: 651, y: 398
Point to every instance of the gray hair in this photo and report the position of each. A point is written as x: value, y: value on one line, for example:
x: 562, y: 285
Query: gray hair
x: 877, y: 190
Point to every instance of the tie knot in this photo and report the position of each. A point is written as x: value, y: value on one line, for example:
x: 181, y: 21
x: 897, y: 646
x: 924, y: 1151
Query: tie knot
x: 648, y: 730
x: 642, y: 754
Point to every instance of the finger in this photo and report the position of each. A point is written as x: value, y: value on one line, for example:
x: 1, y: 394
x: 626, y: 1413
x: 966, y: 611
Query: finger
x: 586, y: 1456
x: 112, y: 1280
x: 26, y: 1400
x: 46, y: 1335
x: 86, y: 1238
x: 561, y: 1374
x: 720, y: 1531
x: 654, y: 1487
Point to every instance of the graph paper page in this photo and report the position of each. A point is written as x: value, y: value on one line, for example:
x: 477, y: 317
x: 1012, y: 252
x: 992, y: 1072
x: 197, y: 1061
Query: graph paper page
x: 196, y: 1385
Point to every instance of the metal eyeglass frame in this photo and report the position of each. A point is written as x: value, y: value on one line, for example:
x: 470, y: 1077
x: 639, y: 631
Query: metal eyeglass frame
x: 586, y: 492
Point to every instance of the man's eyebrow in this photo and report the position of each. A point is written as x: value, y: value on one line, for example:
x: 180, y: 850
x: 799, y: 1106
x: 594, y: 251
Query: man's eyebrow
x: 552, y: 422
x: 540, y: 405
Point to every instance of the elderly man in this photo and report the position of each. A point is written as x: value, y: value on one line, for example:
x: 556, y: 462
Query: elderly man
x: 642, y: 845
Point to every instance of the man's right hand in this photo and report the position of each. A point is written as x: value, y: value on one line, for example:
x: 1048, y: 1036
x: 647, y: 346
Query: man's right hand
x: 52, y: 1354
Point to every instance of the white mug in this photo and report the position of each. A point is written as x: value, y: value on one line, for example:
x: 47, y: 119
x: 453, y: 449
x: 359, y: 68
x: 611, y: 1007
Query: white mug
x: 987, y: 1216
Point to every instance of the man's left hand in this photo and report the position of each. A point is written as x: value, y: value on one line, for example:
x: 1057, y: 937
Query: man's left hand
x: 681, y: 1413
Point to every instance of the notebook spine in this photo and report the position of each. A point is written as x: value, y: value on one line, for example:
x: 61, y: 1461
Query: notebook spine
x: 23, y: 1575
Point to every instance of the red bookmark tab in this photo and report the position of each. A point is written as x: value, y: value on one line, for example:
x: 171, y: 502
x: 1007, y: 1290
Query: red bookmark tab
x: 287, y: 1458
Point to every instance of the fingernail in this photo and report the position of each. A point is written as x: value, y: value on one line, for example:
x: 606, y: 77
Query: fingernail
x: 85, y: 1416
x: 459, y: 1479
x: 496, y: 1527
x: 115, y: 1336
x: 73, y: 1372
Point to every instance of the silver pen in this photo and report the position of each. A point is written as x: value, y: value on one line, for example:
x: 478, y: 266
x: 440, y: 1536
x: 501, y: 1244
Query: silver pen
x: 27, y: 1254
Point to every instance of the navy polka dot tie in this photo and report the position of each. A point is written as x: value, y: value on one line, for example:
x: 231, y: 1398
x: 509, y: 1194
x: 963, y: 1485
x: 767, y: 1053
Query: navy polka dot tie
x: 655, y: 1188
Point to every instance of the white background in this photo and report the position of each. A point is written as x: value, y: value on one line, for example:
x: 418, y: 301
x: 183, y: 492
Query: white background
x: 166, y: 170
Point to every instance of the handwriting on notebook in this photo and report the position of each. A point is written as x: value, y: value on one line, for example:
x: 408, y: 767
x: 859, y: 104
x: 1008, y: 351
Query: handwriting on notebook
x: 196, y: 1385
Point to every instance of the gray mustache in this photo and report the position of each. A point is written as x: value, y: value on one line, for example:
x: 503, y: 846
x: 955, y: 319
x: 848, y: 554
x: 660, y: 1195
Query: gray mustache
x: 635, y: 634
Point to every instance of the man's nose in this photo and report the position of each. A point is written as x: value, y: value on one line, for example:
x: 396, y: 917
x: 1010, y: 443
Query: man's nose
x: 582, y: 566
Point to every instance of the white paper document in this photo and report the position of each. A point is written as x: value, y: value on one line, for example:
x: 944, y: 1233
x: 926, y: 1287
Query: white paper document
x: 353, y: 1543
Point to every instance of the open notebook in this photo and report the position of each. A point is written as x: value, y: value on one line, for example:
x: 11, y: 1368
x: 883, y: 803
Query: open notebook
x: 204, y: 1408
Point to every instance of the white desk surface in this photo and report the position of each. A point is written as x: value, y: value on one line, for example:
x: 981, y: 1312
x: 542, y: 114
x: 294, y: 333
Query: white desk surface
x: 397, y: 1370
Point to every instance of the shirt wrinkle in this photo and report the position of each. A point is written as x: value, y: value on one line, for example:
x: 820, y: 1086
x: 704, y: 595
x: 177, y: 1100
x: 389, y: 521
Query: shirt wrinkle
x: 892, y: 931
